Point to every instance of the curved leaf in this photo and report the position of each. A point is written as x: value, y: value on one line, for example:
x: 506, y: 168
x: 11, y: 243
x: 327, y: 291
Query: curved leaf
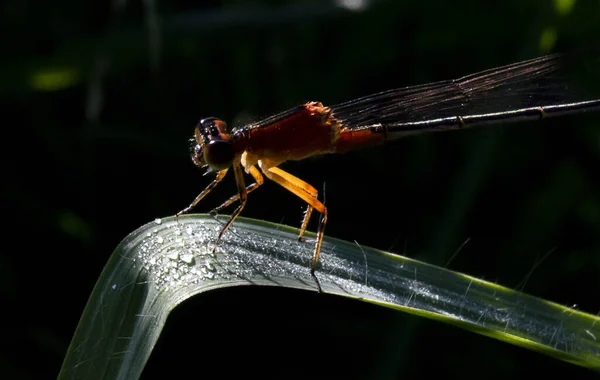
x: 167, y: 261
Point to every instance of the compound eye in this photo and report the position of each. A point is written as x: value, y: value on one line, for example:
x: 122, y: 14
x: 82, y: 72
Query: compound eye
x: 212, y: 127
x: 219, y: 154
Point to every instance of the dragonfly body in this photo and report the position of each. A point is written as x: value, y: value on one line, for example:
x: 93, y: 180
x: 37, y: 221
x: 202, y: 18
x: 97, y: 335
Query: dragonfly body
x: 526, y: 90
x: 299, y: 133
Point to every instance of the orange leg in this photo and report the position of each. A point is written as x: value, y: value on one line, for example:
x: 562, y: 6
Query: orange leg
x: 302, y: 186
x: 297, y: 186
x: 259, y: 181
x: 243, y: 196
x: 254, y: 172
x: 215, y: 182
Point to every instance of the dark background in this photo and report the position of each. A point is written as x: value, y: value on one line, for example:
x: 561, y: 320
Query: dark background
x: 99, y: 101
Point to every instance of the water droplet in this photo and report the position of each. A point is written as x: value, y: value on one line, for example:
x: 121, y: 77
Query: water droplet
x: 189, y: 230
x: 114, y: 286
x: 173, y: 255
x: 160, y: 240
x: 158, y: 221
x: 187, y: 258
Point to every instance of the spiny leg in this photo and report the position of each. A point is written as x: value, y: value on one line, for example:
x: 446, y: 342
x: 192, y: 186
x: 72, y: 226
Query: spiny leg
x: 254, y: 172
x: 302, y: 186
x: 243, y: 195
x: 220, y: 175
x: 298, y: 187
